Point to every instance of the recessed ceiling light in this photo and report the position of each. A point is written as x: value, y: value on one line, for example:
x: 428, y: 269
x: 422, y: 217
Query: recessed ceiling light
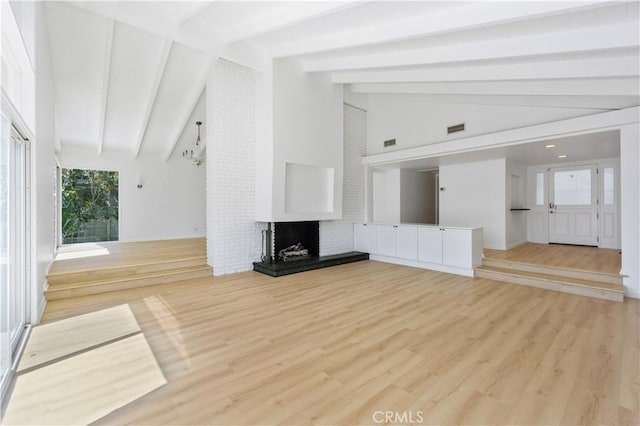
x: 550, y: 146
x: 562, y: 156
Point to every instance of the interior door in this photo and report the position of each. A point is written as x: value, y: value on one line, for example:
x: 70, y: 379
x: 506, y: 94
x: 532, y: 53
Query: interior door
x: 573, y: 205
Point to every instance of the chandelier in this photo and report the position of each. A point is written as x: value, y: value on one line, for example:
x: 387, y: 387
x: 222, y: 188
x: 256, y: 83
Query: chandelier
x: 194, y: 152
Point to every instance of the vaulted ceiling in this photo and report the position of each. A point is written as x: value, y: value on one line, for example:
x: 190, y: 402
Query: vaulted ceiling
x: 130, y: 75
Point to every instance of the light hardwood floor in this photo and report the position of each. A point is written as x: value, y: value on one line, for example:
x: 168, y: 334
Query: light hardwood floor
x: 76, y: 258
x: 562, y: 256
x: 334, y: 346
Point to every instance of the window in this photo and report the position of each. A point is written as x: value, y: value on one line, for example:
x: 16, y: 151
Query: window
x: 609, y: 186
x: 89, y: 206
x: 539, y: 189
x: 572, y: 187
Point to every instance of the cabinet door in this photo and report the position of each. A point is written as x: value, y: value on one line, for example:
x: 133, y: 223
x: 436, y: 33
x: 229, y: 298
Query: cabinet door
x: 407, y: 242
x: 365, y: 237
x: 386, y: 240
x: 456, y: 248
x: 430, y: 244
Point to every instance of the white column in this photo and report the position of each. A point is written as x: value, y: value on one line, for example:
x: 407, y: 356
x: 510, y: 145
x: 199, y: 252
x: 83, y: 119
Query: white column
x: 630, y: 207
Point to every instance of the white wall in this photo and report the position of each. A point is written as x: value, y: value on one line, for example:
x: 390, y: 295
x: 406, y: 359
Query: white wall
x: 44, y: 167
x: 358, y: 100
x: 413, y: 121
x: 431, y: 195
x: 171, y: 202
x: 308, y: 131
x: 18, y: 61
x: 32, y: 111
x: 414, y: 196
x: 386, y: 195
x: 233, y: 235
x: 630, y: 207
x: 336, y: 236
x: 474, y: 196
x: 516, y: 196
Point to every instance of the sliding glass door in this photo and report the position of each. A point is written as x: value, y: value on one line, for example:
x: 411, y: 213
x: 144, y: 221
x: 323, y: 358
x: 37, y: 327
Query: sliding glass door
x: 14, y: 237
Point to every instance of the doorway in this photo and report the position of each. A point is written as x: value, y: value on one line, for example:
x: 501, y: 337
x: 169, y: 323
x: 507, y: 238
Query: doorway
x: 573, y: 205
x: 15, y: 265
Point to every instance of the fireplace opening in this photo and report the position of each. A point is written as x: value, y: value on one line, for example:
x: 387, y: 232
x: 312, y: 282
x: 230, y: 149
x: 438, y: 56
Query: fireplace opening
x: 296, y: 240
x: 292, y: 247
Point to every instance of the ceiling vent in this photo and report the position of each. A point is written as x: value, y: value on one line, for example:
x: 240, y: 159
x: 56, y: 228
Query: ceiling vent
x: 455, y: 128
x: 390, y: 142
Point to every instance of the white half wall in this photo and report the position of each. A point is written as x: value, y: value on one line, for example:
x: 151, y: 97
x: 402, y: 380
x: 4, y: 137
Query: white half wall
x: 474, y: 196
x: 171, y: 202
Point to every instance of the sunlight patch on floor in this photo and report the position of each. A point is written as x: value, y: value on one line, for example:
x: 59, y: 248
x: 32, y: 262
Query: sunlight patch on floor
x: 80, y: 254
x: 168, y: 323
x: 84, y: 388
x: 52, y: 341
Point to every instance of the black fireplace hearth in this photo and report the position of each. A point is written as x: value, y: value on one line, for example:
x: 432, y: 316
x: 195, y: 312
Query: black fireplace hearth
x: 296, y: 248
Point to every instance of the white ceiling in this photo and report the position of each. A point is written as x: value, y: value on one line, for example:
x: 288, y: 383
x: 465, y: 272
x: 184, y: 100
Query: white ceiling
x: 128, y: 75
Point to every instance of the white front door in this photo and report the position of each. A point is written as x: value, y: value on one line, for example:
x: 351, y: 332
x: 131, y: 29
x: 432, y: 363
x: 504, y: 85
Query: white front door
x: 573, y: 205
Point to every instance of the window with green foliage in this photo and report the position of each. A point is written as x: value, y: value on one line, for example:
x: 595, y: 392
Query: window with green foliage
x: 89, y: 206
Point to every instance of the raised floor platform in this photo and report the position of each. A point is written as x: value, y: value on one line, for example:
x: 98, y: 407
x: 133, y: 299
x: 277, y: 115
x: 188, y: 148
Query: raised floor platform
x: 585, y: 271
x: 94, y: 268
x: 278, y: 269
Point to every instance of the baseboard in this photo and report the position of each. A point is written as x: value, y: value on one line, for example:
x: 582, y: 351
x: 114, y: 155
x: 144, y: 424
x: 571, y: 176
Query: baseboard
x: 494, y: 247
x: 43, y: 305
x: 516, y: 244
x: 632, y: 294
x: 467, y: 272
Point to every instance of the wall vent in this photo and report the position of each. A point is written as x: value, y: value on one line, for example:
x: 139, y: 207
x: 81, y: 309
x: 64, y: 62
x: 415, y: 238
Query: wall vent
x: 390, y: 142
x: 455, y: 128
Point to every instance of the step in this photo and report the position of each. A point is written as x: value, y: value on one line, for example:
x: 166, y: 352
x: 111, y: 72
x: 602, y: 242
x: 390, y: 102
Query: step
x: 65, y: 291
x: 578, y: 274
x: 113, y: 272
x: 596, y: 289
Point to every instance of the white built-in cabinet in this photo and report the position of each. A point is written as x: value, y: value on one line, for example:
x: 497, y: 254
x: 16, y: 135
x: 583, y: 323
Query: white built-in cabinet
x: 441, y: 248
x: 407, y: 242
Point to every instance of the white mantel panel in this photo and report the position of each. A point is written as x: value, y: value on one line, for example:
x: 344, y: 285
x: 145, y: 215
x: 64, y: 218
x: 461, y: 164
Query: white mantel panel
x: 308, y: 121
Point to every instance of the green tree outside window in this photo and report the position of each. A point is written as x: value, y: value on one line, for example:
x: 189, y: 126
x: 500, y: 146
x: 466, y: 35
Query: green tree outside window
x: 89, y: 205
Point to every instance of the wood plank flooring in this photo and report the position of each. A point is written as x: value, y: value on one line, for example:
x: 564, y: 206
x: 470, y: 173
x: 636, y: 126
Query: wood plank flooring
x: 337, y: 345
x: 76, y: 258
x: 562, y: 256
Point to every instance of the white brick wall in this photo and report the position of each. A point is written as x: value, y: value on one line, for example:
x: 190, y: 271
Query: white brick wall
x: 233, y: 236
x: 336, y: 236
